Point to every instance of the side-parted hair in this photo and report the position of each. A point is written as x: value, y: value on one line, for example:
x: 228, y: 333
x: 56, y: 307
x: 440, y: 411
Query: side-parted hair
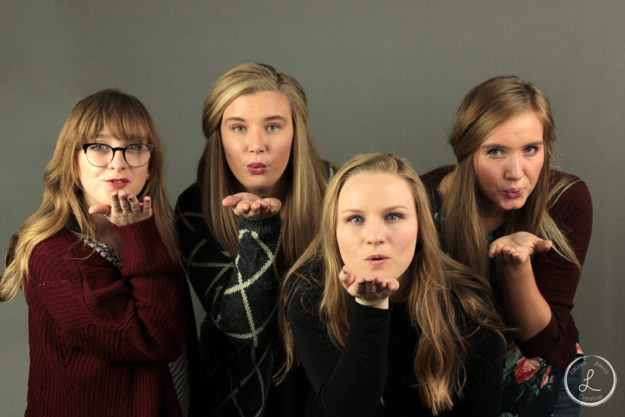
x: 306, y: 179
x: 482, y: 110
x: 63, y: 204
x: 446, y: 301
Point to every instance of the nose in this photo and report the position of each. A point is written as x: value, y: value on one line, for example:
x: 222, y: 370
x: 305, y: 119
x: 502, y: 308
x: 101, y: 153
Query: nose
x: 514, y: 170
x: 256, y: 141
x: 375, y: 232
x: 118, y: 161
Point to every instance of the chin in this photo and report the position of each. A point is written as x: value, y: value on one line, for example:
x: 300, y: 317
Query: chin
x: 513, y: 206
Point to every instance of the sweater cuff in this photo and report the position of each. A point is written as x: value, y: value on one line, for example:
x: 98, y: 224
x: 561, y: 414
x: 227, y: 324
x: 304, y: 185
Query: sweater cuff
x: 369, y: 321
x: 143, y: 250
x: 261, y: 226
x: 550, y: 344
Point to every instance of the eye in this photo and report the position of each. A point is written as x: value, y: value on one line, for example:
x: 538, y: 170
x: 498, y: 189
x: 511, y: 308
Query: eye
x: 98, y: 147
x: 355, y: 219
x: 532, y: 149
x: 135, y: 147
x: 238, y: 128
x: 273, y: 128
x: 393, y: 217
x: 494, y: 152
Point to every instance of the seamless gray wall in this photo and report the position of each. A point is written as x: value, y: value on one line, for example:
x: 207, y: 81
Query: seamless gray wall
x: 380, y: 76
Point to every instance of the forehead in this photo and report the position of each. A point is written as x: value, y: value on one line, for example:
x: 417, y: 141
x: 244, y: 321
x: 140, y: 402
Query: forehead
x: 122, y: 132
x: 518, y: 129
x: 377, y: 190
x: 259, y: 105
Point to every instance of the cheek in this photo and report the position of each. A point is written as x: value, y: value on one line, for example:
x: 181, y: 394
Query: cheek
x: 486, y: 174
x: 346, y: 241
x: 284, y: 150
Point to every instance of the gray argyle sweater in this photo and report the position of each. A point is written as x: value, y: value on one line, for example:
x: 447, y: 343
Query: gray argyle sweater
x: 239, y: 339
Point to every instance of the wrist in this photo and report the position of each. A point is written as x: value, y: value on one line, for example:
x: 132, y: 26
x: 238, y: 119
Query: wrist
x: 382, y: 304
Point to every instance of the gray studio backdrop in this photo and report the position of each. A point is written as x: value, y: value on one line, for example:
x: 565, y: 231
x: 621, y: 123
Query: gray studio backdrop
x: 380, y: 76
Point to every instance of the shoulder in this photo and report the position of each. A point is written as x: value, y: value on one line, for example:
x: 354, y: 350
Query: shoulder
x: 190, y: 199
x: 188, y: 214
x: 57, y: 246
x: 569, y: 197
x: 568, y: 186
x: 56, y: 253
x: 304, y: 288
x: 434, y: 177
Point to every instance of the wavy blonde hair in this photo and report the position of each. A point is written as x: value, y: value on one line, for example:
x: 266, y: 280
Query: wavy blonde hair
x: 127, y: 119
x: 446, y: 301
x: 306, y: 179
x: 482, y: 110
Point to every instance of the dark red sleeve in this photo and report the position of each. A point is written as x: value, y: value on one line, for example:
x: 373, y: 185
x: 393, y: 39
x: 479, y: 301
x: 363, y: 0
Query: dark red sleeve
x: 557, y: 278
x: 135, y: 316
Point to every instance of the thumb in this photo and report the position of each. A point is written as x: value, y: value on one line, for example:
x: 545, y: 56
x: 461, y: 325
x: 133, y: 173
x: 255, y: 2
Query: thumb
x: 543, y: 245
x: 100, y: 209
x: 231, y: 200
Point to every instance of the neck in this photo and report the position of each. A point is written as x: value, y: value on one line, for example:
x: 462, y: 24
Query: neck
x: 493, y: 217
x: 106, y: 233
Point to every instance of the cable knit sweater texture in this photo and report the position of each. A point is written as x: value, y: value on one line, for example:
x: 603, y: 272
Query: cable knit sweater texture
x: 101, y: 340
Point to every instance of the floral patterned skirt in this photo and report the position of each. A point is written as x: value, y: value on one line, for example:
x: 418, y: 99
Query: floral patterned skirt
x: 530, y: 385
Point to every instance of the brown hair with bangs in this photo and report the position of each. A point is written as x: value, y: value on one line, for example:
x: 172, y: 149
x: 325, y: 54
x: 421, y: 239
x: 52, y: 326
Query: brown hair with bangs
x: 127, y: 119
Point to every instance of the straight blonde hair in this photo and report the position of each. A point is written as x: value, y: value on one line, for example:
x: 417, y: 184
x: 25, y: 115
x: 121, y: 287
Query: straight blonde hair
x: 482, y: 110
x: 441, y: 292
x: 63, y: 204
x: 306, y: 177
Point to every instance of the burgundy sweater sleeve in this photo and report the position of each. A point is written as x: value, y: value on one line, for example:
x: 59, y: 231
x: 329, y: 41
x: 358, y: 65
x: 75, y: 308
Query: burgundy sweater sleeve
x: 557, y: 278
x: 135, y: 316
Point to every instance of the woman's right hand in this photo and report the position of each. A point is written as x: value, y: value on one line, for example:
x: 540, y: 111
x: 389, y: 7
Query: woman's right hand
x: 251, y: 206
x: 517, y: 248
x: 372, y: 292
x: 124, y: 209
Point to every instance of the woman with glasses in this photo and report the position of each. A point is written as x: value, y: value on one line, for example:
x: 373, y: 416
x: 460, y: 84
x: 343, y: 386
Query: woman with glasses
x: 97, y: 263
x: 505, y: 213
x: 382, y: 321
x: 252, y: 211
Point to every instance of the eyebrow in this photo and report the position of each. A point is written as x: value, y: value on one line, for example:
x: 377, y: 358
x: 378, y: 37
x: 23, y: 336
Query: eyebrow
x: 266, y: 119
x: 497, y: 145
x: 386, y: 209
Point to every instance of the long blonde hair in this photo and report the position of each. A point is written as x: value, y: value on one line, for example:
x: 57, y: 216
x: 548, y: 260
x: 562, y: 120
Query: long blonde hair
x: 306, y: 179
x: 484, y: 108
x: 63, y: 205
x: 443, y: 295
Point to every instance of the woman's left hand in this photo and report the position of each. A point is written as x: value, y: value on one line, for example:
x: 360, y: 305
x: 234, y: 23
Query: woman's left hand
x: 124, y: 209
x: 517, y: 248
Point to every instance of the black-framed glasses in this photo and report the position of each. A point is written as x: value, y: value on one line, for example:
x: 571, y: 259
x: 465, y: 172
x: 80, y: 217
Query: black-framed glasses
x: 101, y: 154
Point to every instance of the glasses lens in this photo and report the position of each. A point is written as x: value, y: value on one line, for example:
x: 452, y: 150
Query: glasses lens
x: 137, y: 154
x: 99, y: 154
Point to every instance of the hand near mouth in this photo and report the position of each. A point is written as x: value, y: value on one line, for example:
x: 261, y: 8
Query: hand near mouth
x: 517, y: 248
x: 124, y: 209
x: 251, y: 206
x: 372, y: 292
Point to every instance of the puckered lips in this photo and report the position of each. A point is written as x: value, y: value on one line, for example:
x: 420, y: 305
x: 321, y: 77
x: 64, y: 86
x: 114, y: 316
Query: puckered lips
x: 376, y: 260
x: 513, y: 193
x: 256, y: 168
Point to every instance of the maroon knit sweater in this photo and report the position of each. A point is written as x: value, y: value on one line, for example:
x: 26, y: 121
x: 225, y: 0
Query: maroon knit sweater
x: 100, y: 340
x: 556, y: 277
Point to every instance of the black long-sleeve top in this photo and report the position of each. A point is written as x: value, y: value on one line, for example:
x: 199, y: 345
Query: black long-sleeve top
x: 373, y: 374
